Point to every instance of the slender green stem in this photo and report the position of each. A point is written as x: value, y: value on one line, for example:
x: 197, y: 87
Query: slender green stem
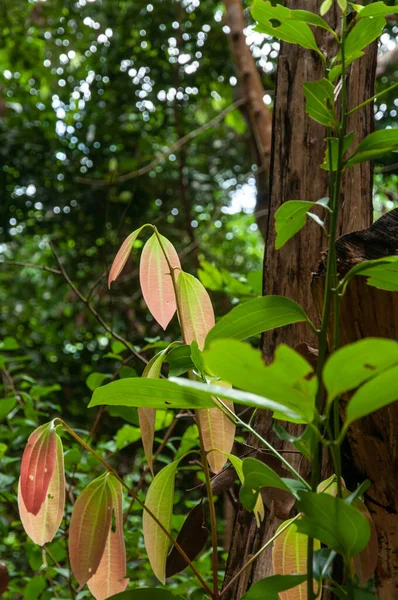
x: 372, y: 99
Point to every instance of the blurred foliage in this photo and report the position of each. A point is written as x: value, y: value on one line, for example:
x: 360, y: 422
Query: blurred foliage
x: 90, y: 91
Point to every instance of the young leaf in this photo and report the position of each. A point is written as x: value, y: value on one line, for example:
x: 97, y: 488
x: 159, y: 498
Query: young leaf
x: 155, y: 279
x: 382, y: 273
x: 276, y: 21
x: 41, y: 528
x: 289, y: 555
x: 159, y: 500
x: 352, y: 365
x: 325, y: 7
x: 37, y: 466
x: 375, y: 144
x: 217, y: 432
x: 258, y: 509
x: 373, y: 395
x: 272, y: 587
x: 110, y: 577
x: 290, y: 219
x: 319, y: 97
x: 288, y: 379
x: 122, y: 255
x: 343, y: 5
x: 147, y: 416
x: 376, y: 9
x: 197, y: 315
x: 334, y: 522
x: 149, y: 393
x: 256, y: 316
x: 89, y: 527
x: 192, y: 538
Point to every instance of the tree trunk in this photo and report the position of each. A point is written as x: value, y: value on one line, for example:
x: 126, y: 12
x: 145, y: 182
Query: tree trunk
x: 298, y: 150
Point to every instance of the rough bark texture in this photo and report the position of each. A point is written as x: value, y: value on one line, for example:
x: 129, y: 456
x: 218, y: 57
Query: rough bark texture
x: 298, y: 150
x: 257, y: 114
x: 369, y: 312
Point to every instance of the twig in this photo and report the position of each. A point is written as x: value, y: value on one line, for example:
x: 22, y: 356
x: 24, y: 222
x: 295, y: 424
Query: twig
x: 17, y: 263
x: 171, y: 150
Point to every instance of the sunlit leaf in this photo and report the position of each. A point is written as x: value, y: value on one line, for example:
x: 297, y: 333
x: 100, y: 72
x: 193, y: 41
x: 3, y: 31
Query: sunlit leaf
x: 289, y: 556
x: 89, y: 527
x: 256, y: 316
x: 123, y: 254
x: 325, y: 7
x: 291, y: 217
x: 289, y: 379
x: 41, y: 528
x: 352, y: 365
x: 159, y: 500
x: 155, y: 278
x: 110, y: 577
x: 343, y: 4
x: 149, y: 393
x: 273, y: 587
x: 380, y: 391
x: 197, y: 315
x: 192, y: 538
x: 376, y: 9
x: 375, y: 144
x: 319, y: 97
x: 306, y: 16
x: 37, y: 466
x: 334, y: 522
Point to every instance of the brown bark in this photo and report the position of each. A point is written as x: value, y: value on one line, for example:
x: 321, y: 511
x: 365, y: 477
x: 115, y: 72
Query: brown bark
x: 298, y: 150
x: 257, y: 114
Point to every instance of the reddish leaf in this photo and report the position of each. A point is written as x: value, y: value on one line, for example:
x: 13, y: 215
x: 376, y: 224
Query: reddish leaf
x: 122, y: 255
x: 41, y: 528
x: 217, y: 432
x: 192, y: 539
x: 89, y: 528
x: 197, y: 313
x: 365, y: 562
x: 110, y: 576
x: 37, y: 466
x: 155, y: 279
x: 4, y: 578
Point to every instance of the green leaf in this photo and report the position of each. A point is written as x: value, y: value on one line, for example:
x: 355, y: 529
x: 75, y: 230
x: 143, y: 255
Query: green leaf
x: 179, y: 360
x: 196, y: 356
x: 147, y: 594
x: 343, y: 5
x: 305, y: 16
x: 277, y: 22
x: 35, y: 587
x: 39, y: 391
x: 6, y: 406
x: 159, y: 500
x: 376, y: 393
x: 149, y: 393
x: 334, y: 522
x: 290, y: 219
x: 319, y: 97
x: 255, y: 316
x: 127, y: 414
x: 364, y: 33
x: 287, y: 380
x: 94, y: 380
x: 382, y: 273
x: 9, y: 343
x: 374, y: 145
x: 376, y: 9
x: 269, y: 587
x: 127, y: 435
x: 325, y: 7
x: 245, y: 398
x: 258, y: 475
x: 304, y: 443
x: 352, y: 365
x: 334, y: 144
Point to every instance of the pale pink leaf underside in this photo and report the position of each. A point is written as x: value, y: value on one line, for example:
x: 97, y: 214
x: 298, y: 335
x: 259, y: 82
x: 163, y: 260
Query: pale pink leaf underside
x: 110, y: 578
x: 41, y: 528
x: 37, y: 467
x: 89, y: 528
x: 155, y: 279
x: 122, y: 256
x: 217, y: 432
x: 197, y: 313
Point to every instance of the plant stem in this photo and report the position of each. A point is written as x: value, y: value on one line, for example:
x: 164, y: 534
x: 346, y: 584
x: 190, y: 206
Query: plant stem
x: 132, y: 493
x: 372, y: 99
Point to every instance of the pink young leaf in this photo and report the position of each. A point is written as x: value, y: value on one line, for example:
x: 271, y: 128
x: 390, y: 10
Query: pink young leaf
x: 217, y: 432
x: 122, y: 255
x: 197, y: 313
x: 41, y: 528
x: 37, y: 466
x: 155, y: 279
x: 89, y: 528
x: 147, y: 416
x: 110, y: 578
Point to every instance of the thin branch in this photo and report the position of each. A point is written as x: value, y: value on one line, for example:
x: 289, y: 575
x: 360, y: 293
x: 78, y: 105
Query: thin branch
x: 171, y: 150
x: 17, y: 263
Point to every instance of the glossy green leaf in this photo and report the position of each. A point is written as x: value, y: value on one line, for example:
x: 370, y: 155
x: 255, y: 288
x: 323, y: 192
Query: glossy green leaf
x: 159, y: 500
x: 94, y: 380
x: 245, y: 398
x: 319, y: 97
x: 196, y: 356
x: 376, y: 9
x: 256, y: 316
x: 325, y: 7
x: 375, y: 144
x: 276, y: 21
x: 352, y: 365
x: 373, y: 395
x: 196, y: 310
x: 334, y: 522
x: 291, y: 217
x: 288, y: 380
x: 123, y: 254
x: 271, y: 587
x: 149, y: 393
x: 89, y: 527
